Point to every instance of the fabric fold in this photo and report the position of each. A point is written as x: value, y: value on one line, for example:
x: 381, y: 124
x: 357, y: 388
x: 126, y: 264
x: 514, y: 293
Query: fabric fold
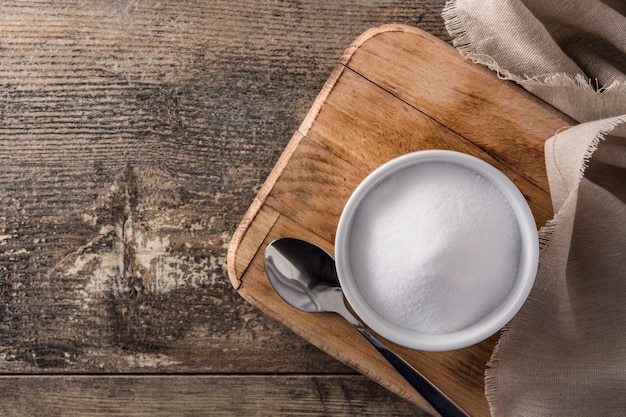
x: 563, y: 354
x: 571, y: 54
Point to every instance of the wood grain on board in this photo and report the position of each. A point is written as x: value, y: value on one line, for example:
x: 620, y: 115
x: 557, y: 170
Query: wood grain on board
x: 397, y: 89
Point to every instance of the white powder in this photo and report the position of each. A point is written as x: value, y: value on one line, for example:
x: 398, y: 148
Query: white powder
x: 435, y: 247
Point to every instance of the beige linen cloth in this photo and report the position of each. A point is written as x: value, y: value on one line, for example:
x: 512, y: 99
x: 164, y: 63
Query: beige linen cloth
x: 564, y: 354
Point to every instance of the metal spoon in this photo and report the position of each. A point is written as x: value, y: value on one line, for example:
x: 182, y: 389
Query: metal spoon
x: 304, y: 275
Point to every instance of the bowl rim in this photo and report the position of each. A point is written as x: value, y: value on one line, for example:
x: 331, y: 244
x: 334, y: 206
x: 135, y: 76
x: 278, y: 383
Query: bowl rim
x: 493, y: 321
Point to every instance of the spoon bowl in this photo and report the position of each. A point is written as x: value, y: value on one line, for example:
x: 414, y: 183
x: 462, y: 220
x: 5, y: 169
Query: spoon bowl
x: 304, y: 275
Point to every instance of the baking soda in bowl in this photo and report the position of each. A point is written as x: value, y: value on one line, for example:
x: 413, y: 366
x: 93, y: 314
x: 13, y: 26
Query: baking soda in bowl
x: 436, y: 247
x: 433, y: 247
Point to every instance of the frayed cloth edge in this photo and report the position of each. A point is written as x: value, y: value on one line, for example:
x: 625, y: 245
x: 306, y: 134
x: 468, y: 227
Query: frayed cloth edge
x: 492, y: 391
x: 461, y: 40
x: 609, y: 125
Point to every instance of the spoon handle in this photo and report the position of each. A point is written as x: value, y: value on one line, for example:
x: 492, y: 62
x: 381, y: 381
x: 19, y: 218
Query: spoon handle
x: 437, y: 399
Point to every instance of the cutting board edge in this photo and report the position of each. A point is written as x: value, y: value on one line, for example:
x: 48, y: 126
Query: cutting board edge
x: 377, y: 30
x: 239, y: 234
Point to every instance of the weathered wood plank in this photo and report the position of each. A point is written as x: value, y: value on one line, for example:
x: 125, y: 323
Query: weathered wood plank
x: 199, y: 395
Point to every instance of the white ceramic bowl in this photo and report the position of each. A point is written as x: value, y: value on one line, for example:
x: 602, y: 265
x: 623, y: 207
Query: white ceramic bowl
x: 488, y: 324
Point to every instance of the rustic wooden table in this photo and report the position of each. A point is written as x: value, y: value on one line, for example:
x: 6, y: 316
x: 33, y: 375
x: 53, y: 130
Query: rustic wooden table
x: 133, y: 137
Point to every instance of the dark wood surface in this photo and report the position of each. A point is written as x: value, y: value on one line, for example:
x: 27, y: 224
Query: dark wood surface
x: 133, y: 137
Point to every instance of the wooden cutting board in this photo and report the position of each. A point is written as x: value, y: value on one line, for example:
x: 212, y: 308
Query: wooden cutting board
x: 396, y: 89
